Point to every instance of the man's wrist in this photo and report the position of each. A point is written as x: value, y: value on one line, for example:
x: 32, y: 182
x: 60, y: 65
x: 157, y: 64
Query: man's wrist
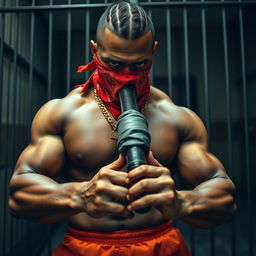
x: 188, y: 200
x: 74, y: 200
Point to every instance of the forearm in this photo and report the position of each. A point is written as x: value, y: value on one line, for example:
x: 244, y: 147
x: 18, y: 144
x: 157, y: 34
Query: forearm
x: 209, y: 204
x: 41, y: 199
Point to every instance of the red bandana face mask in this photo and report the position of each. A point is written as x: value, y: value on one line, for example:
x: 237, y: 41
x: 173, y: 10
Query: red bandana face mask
x: 108, y: 82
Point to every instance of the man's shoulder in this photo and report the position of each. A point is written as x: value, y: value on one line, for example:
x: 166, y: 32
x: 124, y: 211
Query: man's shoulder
x: 187, y: 122
x: 53, y: 113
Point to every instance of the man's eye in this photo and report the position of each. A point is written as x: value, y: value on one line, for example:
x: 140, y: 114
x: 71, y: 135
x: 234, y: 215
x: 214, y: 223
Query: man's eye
x: 113, y: 63
x: 141, y: 65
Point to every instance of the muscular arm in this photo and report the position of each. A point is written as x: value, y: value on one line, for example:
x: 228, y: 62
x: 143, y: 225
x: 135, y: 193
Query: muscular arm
x: 211, y: 198
x: 33, y: 192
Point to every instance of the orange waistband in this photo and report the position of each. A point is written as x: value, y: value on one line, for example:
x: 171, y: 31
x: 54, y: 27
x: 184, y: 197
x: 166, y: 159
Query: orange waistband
x: 122, y: 236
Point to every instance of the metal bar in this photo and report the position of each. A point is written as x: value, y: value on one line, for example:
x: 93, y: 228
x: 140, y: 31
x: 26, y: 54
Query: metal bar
x: 1, y: 60
x: 185, y: 24
x: 246, y: 132
x: 186, y: 53
x: 87, y: 39
x: 49, y: 96
x: 7, y: 172
x: 31, y: 64
x: 207, y: 105
x: 205, y: 71
x: 151, y: 74
x: 14, y: 124
x: 229, y: 121
x: 177, y: 4
x: 169, y: 51
x: 2, y: 30
x: 68, y: 48
x: 50, y: 29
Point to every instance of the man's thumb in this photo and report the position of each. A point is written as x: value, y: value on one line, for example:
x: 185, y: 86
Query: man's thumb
x: 118, y: 163
x: 151, y: 159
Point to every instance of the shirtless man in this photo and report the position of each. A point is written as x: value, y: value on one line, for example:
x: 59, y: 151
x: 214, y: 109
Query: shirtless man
x: 72, y: 137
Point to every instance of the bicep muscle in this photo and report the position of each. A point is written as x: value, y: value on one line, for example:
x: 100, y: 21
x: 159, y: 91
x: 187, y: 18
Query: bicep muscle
x: 45, y: 157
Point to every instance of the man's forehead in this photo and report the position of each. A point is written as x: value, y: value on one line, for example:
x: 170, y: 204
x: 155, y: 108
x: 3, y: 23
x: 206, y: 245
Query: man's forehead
x: 111, y: 41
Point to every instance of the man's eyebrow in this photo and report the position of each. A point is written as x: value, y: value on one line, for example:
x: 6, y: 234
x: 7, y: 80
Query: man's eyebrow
x: 141, y: 61
x: 120, y: 62
x: 112, y: 59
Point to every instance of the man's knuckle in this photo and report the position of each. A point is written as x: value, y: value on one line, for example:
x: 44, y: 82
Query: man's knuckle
x: 98, y: 201
x: 170, y: 195
x: 149, y: 199
x: 165, y: 170
x: 144, y: 184
x: 103, y: 173
x: 168, y: 182
x: 100, y: 186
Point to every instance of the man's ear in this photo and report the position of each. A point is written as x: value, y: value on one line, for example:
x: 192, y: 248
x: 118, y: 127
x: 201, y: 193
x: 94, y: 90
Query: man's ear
x: 93, y: 47
x: 155, y: 47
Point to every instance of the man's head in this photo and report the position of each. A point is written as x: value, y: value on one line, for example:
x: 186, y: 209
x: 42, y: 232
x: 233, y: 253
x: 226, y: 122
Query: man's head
x: 125, y: 37
x: 127, y: 20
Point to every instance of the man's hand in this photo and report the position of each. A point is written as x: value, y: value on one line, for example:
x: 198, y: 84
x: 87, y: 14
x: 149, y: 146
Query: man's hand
x: 156, y: 188
x: 105, y: 192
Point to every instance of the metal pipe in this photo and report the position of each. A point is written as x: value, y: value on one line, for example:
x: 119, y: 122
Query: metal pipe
x: 186, y: 53
x: 31, y: 63
x: 246, y: 132
x: 151, y: 74
x: 176, y: 4
x: 2, y: 31
x: 169, y: 51
x: 50, y: 30
x: 68, y: 49
x: 49, y: 96
x: 13, y: 120
x: 185, y: 24
x: 229, y: 121
x: 87, y: 39
x: 205, y: 72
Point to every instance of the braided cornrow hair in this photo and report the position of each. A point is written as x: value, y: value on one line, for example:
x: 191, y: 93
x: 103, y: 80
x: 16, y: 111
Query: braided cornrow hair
x: 126, y: 19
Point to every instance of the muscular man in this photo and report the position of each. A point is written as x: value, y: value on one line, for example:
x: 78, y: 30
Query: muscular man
x: 75, y: 137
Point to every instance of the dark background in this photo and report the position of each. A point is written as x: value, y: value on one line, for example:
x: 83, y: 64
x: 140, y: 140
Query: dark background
x: 206, y: 61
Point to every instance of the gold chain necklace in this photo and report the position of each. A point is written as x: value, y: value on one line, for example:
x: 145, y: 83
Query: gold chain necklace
x: 108, y: 117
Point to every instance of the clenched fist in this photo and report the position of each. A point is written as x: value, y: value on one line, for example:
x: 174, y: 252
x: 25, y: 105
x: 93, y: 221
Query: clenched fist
x: 103, y: 194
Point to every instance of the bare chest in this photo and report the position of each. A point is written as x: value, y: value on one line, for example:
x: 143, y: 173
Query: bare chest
x: 89, y: 146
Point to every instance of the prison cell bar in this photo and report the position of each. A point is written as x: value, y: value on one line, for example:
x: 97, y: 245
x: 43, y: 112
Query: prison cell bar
x: 152, y: 68
x: 2, y: 26
x: 169, y: 50
x: 229, y: 119
x: 186, y: 52
x: 49, y: 96
x: 13, y: 121
x: 205, y: 71
x: 246, y: 130
x: 31, y: 64
x: 69, y: 24
x: 143, y: 4
x: 50, y: 34
x: 187, y: 94
x: 87, y: 38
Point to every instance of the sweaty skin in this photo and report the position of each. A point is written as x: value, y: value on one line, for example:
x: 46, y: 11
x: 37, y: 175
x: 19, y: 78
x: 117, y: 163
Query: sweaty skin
x: 72, y: 139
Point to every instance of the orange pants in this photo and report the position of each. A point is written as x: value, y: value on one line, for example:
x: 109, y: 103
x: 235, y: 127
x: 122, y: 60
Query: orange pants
x: 162, y: 240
